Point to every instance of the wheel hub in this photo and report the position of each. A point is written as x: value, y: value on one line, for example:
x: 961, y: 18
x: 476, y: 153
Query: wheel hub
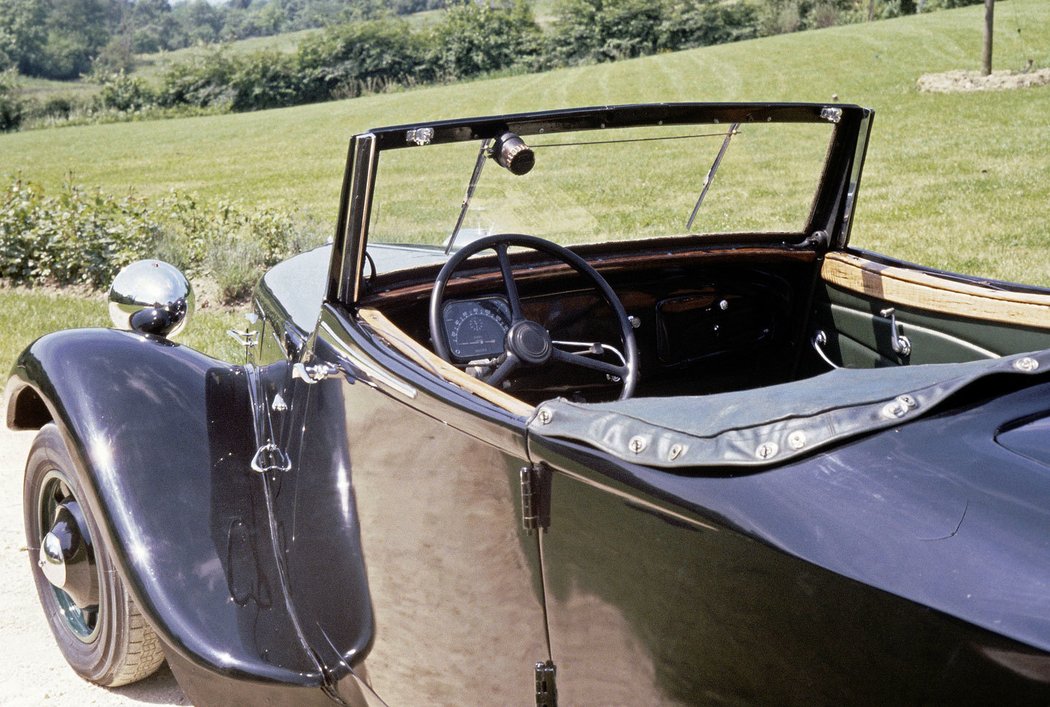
x: 67, y: 559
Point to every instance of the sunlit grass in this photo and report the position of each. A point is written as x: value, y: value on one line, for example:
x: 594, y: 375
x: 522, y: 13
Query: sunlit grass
x: 26, y: 315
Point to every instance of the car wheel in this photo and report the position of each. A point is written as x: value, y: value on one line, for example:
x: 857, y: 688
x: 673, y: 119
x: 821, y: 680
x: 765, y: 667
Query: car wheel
x: 99, y: 630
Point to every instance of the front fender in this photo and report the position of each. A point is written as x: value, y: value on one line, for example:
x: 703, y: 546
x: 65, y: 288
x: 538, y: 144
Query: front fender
x: 162, y: 438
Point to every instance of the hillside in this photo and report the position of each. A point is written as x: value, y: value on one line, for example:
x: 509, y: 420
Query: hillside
x: 959, y: 181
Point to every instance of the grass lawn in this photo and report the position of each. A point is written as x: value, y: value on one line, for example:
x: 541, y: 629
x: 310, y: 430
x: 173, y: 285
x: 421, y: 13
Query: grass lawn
x: 28, y: 314
x: 956, y: 181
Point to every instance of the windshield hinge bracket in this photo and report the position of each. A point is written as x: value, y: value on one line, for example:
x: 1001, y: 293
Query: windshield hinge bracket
x: 819, y: 240
x: 546, y: 686
x: 535, y: 497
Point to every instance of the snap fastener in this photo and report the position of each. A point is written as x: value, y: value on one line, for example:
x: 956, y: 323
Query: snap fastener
x: 1026, y: 364
x: 767, y: 450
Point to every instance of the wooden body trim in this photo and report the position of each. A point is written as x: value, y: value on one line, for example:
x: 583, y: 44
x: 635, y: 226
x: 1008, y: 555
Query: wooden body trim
x: 929, y: 291
x: 408, y: 346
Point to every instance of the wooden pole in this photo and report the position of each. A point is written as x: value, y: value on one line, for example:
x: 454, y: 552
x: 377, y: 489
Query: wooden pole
x: 986, y: 59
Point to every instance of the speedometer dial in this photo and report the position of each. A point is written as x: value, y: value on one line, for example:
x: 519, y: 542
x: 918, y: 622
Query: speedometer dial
x: 477, y: 328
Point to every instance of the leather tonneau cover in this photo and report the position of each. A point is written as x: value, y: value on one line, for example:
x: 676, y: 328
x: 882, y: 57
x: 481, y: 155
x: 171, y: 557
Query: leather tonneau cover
x: 771, y: 425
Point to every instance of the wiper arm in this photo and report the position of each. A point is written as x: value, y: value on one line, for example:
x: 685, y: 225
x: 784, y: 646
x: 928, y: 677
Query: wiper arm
x: 711, y: 174
x: 483, y: 153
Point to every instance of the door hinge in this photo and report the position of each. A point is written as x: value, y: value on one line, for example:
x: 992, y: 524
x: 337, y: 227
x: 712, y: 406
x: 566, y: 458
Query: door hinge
x: 546, y: 686
x: 535, y: 497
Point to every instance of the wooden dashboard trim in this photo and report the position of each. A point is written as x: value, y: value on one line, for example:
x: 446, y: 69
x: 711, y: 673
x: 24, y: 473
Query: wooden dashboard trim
x: 607, y: 265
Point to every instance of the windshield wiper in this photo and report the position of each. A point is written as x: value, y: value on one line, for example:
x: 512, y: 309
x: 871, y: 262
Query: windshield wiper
x: 483, y: 153
x: 711, y: 174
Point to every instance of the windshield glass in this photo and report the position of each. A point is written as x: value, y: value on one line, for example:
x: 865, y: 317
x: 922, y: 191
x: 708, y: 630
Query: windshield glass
x: 601, y: 185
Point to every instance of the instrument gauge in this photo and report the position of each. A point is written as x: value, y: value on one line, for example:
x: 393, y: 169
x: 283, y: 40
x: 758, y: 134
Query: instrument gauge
x: 476, y: 328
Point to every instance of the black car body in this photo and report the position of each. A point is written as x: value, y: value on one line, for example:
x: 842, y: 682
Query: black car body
x: 742, y: 464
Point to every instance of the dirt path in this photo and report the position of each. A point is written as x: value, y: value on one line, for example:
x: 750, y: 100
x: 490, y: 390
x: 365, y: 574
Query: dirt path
x: 32, y: 670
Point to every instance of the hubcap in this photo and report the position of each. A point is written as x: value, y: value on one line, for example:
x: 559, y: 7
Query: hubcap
x: 67, y: 558
x: 52, y: 560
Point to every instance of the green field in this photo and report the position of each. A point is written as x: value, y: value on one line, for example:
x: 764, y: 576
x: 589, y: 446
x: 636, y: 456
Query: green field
x: 957, y: 181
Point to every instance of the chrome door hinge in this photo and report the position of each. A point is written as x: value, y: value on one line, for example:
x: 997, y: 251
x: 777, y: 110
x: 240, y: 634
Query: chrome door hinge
x: 535, y: 497
x: 546, y: 686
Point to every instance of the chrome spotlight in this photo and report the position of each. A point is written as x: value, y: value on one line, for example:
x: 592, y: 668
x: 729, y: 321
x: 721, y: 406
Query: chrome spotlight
x: 511, y: 152
x: 151, y: 297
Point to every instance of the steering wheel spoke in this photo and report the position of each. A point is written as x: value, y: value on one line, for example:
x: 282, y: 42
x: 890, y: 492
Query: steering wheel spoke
x: 502, y: 370
x: 583, y: 361
x: 508, y: 283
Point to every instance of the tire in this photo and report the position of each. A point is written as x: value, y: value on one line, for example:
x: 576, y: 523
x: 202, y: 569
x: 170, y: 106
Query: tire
x: 108, y: 643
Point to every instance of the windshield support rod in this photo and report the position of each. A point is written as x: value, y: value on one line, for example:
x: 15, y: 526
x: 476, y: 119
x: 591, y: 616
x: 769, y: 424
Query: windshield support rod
x: 483, y: 153
x: 711, y: 174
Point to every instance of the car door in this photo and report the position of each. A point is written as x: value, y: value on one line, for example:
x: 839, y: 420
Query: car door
x: 871, y: 310
x: 434, y: 480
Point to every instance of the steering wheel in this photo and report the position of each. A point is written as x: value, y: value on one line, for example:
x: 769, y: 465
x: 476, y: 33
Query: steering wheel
x: 528, y: 343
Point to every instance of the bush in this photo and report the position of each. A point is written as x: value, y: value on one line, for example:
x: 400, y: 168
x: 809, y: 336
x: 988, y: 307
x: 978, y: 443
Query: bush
x: 473, y: 39
x: 347, y: 59
x: 75, y: 237
x: 81, y: 237
x: 125, y: 93
x: 202, y: 81
x: 12, y: 107
x: 700, y: 24
x: 265, y: 80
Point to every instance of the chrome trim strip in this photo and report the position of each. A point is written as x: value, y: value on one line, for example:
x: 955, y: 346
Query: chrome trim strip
x: 374, y: 374
x: 646, y: 505
x: 361, y: 212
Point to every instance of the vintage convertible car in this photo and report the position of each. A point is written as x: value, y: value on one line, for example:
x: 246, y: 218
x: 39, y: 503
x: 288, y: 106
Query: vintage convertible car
x: 708, y: 454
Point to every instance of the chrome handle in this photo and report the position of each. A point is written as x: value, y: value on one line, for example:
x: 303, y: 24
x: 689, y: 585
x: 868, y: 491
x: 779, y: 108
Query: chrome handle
x: 900, y: 344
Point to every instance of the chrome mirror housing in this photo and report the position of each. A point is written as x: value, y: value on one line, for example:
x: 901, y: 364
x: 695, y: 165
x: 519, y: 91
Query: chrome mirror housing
x: 151, y: 297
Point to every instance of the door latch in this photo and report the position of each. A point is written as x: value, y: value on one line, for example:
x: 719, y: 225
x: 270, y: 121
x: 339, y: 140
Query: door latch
x: 313, y: 373
x: 270, y: 458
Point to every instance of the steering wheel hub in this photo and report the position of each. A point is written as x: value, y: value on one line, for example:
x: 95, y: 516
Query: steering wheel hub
x: 530, y: 342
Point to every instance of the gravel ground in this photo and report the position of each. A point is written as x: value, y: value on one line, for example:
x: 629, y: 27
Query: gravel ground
x: 956, y: 81
x: 32, y: 670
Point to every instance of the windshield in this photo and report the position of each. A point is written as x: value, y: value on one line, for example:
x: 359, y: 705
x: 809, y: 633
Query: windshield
x: 601, y: 185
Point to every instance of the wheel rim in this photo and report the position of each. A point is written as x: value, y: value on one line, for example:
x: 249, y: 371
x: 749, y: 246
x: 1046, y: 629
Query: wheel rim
x: 56, y: 494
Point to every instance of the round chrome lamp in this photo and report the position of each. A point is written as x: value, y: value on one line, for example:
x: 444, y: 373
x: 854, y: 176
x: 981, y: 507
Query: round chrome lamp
x: 151, y: 297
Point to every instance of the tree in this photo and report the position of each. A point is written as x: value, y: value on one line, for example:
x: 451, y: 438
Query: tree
x: 986, y: 57
x: 23, y: 33
x: 11, y: 103
x: 605, y: 30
